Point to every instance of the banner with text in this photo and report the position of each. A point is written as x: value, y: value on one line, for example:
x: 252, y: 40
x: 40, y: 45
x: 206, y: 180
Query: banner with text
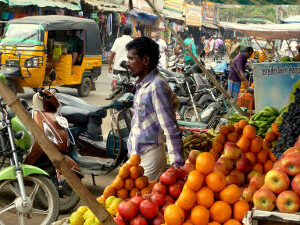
x: 174, y: 5
x: 273, y: 83
x: 209, y: 12
x: 193, y: 15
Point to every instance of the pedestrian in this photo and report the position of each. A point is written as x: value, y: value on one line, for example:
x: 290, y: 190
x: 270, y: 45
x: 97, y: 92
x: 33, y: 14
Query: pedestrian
x: 238, y: 65
x: 154, y: 121
x: 162, y: 49
x: 191, y: 46
x: 119, y: 53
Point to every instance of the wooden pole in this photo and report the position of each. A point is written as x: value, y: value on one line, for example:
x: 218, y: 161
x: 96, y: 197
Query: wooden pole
x: 55, y: 156
x: 200, y: 65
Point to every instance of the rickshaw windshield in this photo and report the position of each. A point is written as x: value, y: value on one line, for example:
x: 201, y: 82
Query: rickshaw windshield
x: 23, y: 35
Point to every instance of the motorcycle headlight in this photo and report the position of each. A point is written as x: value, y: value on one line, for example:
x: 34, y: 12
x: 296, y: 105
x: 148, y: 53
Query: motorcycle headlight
x: 49, y: 134
x: 34, y: 62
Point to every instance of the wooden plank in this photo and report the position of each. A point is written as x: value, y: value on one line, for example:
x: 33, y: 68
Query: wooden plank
x: 55, y: 156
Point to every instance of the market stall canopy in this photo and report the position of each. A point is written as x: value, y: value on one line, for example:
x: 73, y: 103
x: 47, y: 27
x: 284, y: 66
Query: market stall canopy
x: 106, y: 6
x: 291, y: 19
x: 267, y: 31
x: 68, y: 4
x: 258, y: 2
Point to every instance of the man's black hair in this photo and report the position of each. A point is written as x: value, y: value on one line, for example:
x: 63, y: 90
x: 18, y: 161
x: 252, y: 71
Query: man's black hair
x: 145, y: 46
x: 127, y: 30
x: 248, y: 49
x: 184, y: 35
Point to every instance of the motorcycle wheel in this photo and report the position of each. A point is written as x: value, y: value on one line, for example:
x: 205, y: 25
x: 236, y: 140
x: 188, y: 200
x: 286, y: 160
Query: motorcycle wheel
x: 189, y: 114
x: 15, y: 213
x: 68, y: 199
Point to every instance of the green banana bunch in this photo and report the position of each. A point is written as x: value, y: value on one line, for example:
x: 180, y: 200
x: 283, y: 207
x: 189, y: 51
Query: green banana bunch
x: 264, y: 119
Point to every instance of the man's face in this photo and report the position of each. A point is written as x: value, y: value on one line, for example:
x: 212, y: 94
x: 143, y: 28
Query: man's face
x: 136, y: 65
x: 248, y: 54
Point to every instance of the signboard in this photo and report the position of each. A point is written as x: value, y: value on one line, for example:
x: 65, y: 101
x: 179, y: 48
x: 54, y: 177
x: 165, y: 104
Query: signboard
x: 193, y: 15
x: 273, y: 83
x: 209, y: 12
x: 174, y: 5
x: 141, y: 4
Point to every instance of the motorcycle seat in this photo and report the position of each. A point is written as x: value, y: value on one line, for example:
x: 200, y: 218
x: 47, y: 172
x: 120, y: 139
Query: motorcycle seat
x: 75, y: 115
x: 183, y: 100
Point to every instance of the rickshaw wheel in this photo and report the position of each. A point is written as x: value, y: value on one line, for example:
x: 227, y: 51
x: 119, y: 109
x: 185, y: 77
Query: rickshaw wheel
x: 12, y: 84
x: 85, y: 87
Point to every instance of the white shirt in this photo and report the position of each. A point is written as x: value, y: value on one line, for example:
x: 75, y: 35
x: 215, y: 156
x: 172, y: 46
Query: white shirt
x: 119, y: 48
x: 163, y: 58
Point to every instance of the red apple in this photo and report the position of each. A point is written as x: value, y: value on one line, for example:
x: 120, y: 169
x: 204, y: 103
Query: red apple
x: 296, y: 184
x: 288, y: 202
x: 232, y: 179
x: 292, y: 150
x: 244, y: 165
x: 277, y: 181
x: 188, y: 167
x: 291, y: 163
x: 257, y: 181
x: 297, y: 144
x: 248, y: 193
x: 240, y: 175
x: 227, y: 162
x: 232, y: 151
x: 252, y: 174
x: 221, y: 167
x: 264, y: 199
x: 193, y: 155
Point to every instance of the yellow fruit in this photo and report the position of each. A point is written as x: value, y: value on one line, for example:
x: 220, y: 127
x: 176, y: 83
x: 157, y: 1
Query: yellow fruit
x: 76, y: 219
x: 109, y: 200
x: 113, y: 208
x: 82, y: 209
x: 88, y: 214
x: 89, y: 221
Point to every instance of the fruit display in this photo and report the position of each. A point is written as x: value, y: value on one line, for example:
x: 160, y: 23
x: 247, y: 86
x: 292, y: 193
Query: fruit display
x: 289, y: 129
x: 206, y: 198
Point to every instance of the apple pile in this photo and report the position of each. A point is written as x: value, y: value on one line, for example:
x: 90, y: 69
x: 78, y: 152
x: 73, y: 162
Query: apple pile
x: 282, y: 185
x: 149, y: 208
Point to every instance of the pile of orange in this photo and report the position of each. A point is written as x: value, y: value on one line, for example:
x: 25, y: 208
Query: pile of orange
x: 130, y: 181
x: 206, y: 199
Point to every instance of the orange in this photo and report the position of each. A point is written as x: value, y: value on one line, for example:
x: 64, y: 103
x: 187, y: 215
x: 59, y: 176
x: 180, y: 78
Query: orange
x: 146, y: 190
x: 249, y: 132
x: 199, y: 215
x: 266, y: 144
x: 118, y: 183
x: 243, y: 123
x: 129, y: 184
x: 141, y: 182
x: 239, y: 210
x: 275, y: 129
x: 124, y: 172
x: 231, y: 194
x: 232, y: 222
x: 224, y: 130
x: 272, y: 156
x: 194, y: 180
x: 221, y: 139
x: 187, y: 223
x: 217, y: 146
x: 214, y: 223
x: 232, y: 137
x: 268, y: 165
x: 134, y: 172
x: 141, y: 171
x: 214, y: 153
x: 127, y: 165
x: 230, y: 127
x: 205, y: 162
x: 205, y: 197
x: 256, y: 144
x: 220, y: 211
x: 270, y: 136
x: 238, y: 130
x: 152, y: 183
x: 135, y: 160
x: 262, y: 156
x: 109, y: 191
x: 174, y: 215
x: 258, y: 167
x: 186, y: 199
x: 122, y: 193
x: 244, y: 144
x: 215, y: 181
x: 251, y: 156
x: 134, y: 192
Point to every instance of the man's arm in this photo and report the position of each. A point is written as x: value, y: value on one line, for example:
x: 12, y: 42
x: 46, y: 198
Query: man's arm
x: 163, y: 104
x: 110, y: 62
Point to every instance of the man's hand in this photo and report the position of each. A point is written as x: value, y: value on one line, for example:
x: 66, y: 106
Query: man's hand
x: 110, y: 68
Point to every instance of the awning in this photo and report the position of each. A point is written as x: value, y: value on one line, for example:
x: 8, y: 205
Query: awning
x: 106, y: 6
x: 172, y: 15
x: 5, y: 1
x: 258, y: 2
x: 72, y: 5
x: 291, y: 19
x: 267, y: 31
x: 210, y: 25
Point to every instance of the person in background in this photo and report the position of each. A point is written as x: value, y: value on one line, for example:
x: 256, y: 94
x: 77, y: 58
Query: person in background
x: 154, y: 122
x: 219, y: 44
x: 75, y: 44
x: 162, y: 49
x: 238, y: 65
x: 191, y: 46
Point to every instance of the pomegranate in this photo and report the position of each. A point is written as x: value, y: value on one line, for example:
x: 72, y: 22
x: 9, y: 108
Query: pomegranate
x: 128, y: 209
x: 158, y: 220
x: 173, y: 170
x: 168, y: 178
x: 119, y: 220
x: 138, y: 221
x: 175, y: 190
x: 169, y: 199
x: 137, y: 200
x: 181, y: 173
x: 159, y: 199
x: 160, y: 188
x: 148, y: 209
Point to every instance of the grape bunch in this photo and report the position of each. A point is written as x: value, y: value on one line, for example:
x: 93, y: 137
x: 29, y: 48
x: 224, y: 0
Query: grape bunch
x: 290, y: 127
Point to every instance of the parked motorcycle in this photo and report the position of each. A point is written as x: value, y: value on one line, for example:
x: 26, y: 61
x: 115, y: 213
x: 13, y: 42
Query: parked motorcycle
x: 26, y: 184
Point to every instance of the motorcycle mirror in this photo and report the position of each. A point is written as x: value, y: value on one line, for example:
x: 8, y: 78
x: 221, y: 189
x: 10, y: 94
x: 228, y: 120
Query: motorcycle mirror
x: 52, y: 75
x: 123, y: 64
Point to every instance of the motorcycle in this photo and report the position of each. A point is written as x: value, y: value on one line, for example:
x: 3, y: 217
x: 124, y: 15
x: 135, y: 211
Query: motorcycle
x: 27, y: 184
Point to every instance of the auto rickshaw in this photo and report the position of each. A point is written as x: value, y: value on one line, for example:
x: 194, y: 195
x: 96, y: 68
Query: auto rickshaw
x: 34, y: 46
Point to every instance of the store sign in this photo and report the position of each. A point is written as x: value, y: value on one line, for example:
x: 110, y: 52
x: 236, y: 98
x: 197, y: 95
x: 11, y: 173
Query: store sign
x: 273, y: 83
x: 193, y: 15
x: 141, y: 4
x: 209, y: 12
x: 174, y: 5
